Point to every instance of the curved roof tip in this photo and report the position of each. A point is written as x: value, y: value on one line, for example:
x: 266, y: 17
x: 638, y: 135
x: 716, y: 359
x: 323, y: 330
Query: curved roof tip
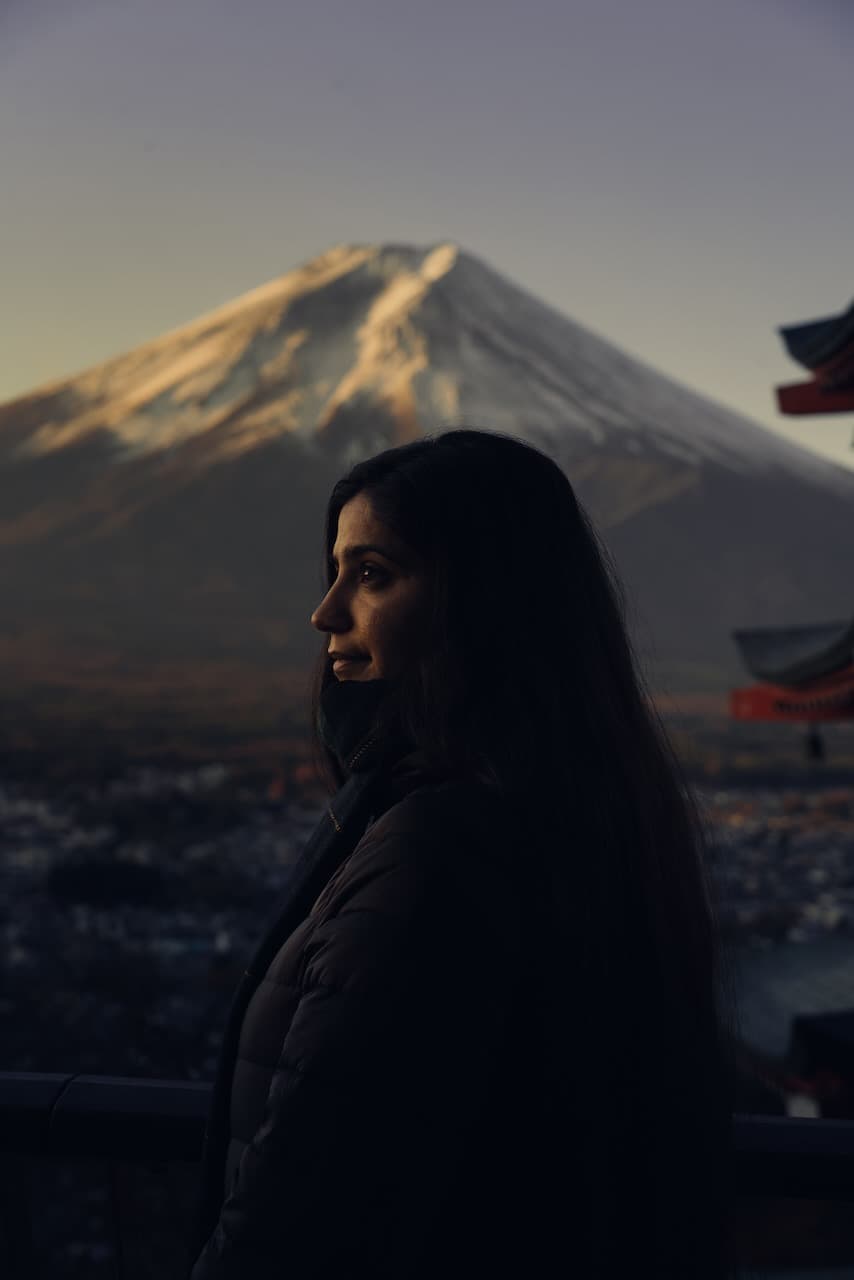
x: 796, y: 655
x: 817, y: 342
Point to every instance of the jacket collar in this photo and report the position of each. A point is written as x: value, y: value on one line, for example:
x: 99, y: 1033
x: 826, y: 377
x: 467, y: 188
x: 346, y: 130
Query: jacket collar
x: 357, y: 724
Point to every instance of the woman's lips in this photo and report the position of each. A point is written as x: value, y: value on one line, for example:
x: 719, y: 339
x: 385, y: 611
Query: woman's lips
x: 343, y: 664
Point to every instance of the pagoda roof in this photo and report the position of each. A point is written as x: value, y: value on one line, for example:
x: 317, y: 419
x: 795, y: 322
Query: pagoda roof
x: 796, y: 655
x: 825, y: 347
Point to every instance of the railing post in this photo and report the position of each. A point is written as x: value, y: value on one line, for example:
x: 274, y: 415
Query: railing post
x: 118, y: 1245
x: 21, y: 1262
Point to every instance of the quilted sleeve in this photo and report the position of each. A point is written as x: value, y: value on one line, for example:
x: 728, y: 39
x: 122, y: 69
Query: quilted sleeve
x: 401, y: 1023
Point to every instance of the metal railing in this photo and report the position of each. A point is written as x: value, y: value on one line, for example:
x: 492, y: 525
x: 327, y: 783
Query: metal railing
x: 120, y: 1118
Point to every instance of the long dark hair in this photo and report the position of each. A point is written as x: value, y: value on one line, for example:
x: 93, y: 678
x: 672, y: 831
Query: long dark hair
x: 529, y: 684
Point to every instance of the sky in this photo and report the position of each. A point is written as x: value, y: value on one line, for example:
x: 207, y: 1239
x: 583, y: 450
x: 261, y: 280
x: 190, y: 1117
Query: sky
x: 675, y: 175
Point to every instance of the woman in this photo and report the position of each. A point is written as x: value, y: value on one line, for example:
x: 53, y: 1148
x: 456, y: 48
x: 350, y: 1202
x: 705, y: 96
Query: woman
x: 487, y: 1033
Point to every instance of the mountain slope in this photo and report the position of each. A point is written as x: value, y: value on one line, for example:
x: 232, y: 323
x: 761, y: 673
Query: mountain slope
x: 166, y: 505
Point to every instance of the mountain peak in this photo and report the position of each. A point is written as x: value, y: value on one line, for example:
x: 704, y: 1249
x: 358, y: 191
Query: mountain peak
x: 395, y: 340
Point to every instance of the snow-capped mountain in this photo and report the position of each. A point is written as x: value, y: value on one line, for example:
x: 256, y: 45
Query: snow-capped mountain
x: 428, y: 335
x: 168, y: 502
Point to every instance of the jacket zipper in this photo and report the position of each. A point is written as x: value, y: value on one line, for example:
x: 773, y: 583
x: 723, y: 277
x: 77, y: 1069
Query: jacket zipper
x: 330, y: 884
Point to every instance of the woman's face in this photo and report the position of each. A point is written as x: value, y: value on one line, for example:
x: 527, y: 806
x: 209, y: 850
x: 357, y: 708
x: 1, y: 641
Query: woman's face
x: 377, y: 604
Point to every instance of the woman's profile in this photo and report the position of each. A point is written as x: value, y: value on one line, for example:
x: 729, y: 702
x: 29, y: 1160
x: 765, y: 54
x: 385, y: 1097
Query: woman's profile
x: 487, y: 1033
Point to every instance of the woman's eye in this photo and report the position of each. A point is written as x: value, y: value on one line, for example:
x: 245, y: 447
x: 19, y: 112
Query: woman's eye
x: 374, y: 567
x: 366, y: 564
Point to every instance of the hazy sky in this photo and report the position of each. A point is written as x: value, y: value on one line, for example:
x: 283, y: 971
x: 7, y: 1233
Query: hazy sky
x: 677, y: 175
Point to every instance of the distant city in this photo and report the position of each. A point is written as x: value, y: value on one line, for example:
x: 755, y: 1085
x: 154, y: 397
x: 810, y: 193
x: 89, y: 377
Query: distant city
x: 152, y: 887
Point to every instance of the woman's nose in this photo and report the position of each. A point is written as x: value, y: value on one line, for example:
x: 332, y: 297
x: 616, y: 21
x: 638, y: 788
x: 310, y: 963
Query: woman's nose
x: 319, y: 617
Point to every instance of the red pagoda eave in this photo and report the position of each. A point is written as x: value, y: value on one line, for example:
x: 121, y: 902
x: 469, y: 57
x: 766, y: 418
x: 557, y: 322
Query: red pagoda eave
x: 829, y: 699
x: 809, y: 397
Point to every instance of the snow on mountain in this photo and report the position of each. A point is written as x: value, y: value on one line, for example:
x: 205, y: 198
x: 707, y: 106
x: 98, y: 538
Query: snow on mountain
x: 432, y: 336
x: 165, y: 505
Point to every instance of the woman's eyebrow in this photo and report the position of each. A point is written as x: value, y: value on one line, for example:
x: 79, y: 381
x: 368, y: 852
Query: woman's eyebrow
x: 360, y: 548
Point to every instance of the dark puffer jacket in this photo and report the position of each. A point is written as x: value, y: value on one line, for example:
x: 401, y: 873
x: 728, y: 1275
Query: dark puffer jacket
x: 381, y: 1110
